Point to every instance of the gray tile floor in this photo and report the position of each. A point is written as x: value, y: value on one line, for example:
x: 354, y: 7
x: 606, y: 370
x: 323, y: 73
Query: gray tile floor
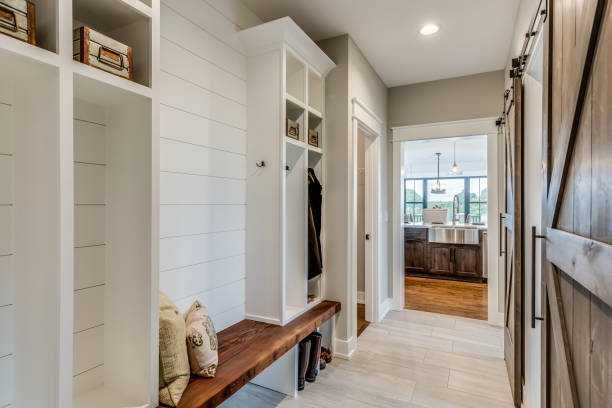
x: 412, y: 359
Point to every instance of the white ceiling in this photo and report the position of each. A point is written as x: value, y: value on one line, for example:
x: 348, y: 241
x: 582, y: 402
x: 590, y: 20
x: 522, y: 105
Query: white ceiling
x: 420, y: 160
x: 474, y: 36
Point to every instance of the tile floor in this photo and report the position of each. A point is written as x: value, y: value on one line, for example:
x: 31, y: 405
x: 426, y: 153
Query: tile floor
x: 412, y: 359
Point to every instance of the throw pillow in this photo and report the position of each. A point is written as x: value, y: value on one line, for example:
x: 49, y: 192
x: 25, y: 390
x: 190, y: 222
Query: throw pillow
x: 201, y: 341
x: 173, y: 358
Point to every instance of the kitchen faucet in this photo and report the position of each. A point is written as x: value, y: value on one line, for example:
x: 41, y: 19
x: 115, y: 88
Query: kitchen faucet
x: 455, y: 198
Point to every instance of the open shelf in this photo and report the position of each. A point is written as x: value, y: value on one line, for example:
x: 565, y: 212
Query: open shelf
x: 46, y: 27
x: 112, y: 83
x: 29, y: 229
x: 315, y: 91
x: 295, y: 113
x: 315, y: 126
x: 127, y: 21
x: 112, y: 255
x: 295, y: 77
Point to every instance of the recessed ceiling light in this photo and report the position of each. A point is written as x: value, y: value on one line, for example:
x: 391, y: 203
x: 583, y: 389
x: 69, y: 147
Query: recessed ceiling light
x: 429, y: 29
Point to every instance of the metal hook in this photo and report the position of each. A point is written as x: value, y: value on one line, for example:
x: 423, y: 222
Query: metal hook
x: 260, y: 164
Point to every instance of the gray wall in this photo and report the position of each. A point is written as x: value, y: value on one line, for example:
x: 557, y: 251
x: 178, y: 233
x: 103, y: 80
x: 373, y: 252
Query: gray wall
x: 353, y: 77
x: 467, y: 97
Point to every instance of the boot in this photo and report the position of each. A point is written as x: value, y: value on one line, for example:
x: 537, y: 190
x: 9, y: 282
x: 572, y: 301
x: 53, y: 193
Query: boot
x: 304, y: 355
x: 315, y: 356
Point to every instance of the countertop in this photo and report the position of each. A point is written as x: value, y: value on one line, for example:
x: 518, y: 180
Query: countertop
x: 422, y: 225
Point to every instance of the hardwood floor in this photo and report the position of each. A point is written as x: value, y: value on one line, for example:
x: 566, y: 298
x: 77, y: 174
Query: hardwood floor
x: 412, y: 360
x: 455, y: 298
x: 362, y: 323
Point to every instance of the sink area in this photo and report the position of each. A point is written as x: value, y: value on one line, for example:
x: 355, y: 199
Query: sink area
x: 447, y: 234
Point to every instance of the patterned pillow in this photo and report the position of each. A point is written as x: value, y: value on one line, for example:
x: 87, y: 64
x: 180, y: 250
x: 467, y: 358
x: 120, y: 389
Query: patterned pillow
x: 201, y: 341
x: 173, y: 359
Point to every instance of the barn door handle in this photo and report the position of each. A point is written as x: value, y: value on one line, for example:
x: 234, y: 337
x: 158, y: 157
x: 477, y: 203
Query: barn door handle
x: 534, y: 236
x: 8, y: 19
x: 501, y: 225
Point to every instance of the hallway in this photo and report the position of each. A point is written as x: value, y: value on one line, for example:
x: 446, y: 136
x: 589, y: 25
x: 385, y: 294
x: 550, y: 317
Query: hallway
x: 412, y: 359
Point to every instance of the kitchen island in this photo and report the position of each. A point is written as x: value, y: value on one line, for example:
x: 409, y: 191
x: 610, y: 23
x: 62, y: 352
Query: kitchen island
x: 445, y: 251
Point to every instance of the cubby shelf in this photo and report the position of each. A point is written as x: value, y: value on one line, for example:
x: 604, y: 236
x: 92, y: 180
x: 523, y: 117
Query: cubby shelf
x: 80, y: 146
x: 284, y: 66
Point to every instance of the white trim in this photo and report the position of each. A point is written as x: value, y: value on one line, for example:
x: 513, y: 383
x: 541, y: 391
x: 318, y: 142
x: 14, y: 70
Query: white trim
x: 385, y: 307
x: 361, y: 297
x: 262, y: 319
x: 440, y: 130
x: 344, y: 349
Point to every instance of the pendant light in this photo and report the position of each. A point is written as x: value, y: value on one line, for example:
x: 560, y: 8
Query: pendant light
x: 437, y: 188
x: 455, y: 169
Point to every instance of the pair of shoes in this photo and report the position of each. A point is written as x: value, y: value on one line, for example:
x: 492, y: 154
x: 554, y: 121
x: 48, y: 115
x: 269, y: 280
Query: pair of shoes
x: 326, y: 355
x: 303, y: 356
x: 309, y: 359
x: 315, y: 356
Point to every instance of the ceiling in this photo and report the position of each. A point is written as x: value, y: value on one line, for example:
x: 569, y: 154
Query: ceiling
x: 419, y: 158
x: 474, y: 36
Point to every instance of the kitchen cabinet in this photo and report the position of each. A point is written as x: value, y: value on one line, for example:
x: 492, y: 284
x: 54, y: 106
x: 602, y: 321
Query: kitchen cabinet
x: 441, y: 260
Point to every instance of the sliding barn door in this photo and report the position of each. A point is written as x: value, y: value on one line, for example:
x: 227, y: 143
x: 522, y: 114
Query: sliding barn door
x: 513, y: 236
x: 577, y: 211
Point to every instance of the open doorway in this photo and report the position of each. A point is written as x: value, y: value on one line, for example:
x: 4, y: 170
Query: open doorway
x: 445, y: 217
x: 363, y: 142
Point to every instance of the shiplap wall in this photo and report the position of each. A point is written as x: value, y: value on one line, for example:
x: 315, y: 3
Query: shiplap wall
x: 89, y: 245
x: 6, y: 251
x: 203, y: 156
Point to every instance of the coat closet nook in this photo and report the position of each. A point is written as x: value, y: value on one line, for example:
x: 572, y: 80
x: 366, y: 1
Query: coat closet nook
x: 79, y: 210
x: 286, y: 88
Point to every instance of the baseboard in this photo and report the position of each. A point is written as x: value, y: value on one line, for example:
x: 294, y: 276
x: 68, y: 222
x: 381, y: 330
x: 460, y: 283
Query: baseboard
x: 361, y: 297
x: 496, y: 319
x: 344, y: 349
x: 262, y: 319
x: 385, y: 307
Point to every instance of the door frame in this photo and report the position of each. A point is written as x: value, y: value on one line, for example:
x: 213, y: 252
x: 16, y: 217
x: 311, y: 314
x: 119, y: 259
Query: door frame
x: 366, y: 121
x: 444, y: 130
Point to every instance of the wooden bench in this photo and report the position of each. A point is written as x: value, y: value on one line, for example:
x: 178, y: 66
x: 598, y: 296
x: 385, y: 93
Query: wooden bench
x: 246, y: 349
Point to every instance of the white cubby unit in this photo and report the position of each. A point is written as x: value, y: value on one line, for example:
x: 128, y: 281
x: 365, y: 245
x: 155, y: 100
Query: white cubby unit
x: 285, y: 78
x: 79, y: 213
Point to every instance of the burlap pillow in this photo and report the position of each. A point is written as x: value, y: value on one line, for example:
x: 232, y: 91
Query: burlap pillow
x: 173, y: 359
x: 201, y: 341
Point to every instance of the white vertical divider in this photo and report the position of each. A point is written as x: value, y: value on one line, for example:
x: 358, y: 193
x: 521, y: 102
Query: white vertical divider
x: 155, y: 199
x: 66, y: 216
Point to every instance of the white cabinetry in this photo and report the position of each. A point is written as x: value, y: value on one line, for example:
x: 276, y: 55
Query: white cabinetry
x: 79, y: 210
x: 286, y: 72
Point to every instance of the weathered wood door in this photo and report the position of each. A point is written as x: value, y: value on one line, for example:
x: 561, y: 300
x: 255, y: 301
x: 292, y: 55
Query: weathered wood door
x: 577, y: 205
x: 513, y: 237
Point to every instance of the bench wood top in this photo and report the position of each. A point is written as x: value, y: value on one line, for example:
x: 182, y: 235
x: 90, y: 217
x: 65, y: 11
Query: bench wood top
x: 246, y: 349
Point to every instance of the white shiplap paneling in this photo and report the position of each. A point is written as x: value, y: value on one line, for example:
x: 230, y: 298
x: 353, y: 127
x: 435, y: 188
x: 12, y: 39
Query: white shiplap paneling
x: 6, y: 230
x: 7, y: 275
x: 7, y: 280
x: 6, y: 179
x: 6, y: 334
x: 88, y: 349
x: 202, y: 154
x: 180, y: 220
x: 89, y: 240
x: 177, y: 125
x: 6, y: 381
x: 192, y: 189
x: 89, y: 266
x: 186, y: 158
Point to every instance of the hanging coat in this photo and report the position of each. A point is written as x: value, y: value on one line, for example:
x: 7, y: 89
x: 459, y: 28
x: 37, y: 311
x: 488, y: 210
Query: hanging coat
x: 315, y: 259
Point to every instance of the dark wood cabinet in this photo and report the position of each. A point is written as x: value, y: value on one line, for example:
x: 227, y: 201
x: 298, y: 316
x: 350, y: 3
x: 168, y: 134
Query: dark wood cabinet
x: 453, y: 261
x: 439, y: 259
x: 467, y: 261
x: 414, y: 256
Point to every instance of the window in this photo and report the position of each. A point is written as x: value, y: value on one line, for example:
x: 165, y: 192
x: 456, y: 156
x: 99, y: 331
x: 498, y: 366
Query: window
x: 472, y: 192
x: 478, y: 199
x: 413, y: 202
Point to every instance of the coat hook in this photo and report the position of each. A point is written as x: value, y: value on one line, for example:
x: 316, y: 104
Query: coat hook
x: 261, y: 164
x: 287, y: 168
